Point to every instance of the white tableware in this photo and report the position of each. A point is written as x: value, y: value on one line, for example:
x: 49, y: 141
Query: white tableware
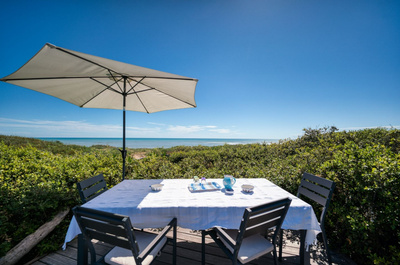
x: 247, y: 188
x: 156, y: 187
x: 229, y: 191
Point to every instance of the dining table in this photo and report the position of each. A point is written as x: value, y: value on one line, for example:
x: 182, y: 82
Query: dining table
x: 199, y: 206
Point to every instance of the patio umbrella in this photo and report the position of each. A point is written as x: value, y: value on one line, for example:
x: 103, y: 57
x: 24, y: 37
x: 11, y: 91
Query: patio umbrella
x: 93, y: 82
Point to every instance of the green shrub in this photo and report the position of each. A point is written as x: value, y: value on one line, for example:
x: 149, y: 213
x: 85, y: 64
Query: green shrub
x: 366, y: 204
x: 36, y: 184
x: 37, y: 179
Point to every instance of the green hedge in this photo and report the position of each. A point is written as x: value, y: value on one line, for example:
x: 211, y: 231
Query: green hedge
x: 37, y: 179
x: 36, y: 183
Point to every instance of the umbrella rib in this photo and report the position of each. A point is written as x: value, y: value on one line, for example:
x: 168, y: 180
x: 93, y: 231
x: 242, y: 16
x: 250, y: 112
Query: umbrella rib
x: 82, y: 58
x: 87, y: 60
x: 141, y: 102
x: 136, y: 93
x: 133, y: 87
x: 105, y: 88
x: 83, y: 77
x: 116, y: 82
x: 176, y: 98
x: 141, y: 91
x: 110, y: 70
x: 151, y: 88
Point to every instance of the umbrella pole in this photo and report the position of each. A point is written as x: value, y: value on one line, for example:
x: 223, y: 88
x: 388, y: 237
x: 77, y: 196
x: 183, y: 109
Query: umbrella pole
x: 123, y: 133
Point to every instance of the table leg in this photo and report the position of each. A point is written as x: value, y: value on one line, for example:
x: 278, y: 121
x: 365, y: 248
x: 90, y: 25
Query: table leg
x: 82, y: 250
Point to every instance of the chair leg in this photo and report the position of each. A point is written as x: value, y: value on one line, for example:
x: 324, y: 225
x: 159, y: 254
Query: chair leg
x: 275, y: 256
x: 82, y: 250
x: 325, y: 239
x: 280, y: 244
x: 174, y: 245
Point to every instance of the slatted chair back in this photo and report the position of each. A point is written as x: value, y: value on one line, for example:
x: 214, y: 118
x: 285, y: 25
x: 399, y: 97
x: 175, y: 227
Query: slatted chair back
x: 317, y: 189
x: 91, y: 188
x: 117, y: 230
x: 250, y: 241
x: 111, y: 228
x: 259, y: 219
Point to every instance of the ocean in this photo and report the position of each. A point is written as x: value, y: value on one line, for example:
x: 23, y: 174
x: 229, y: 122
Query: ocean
x: 156, y: 142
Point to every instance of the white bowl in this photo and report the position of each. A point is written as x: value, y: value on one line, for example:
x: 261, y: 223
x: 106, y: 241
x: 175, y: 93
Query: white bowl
x: 156, y: 187
x: 247, y: 188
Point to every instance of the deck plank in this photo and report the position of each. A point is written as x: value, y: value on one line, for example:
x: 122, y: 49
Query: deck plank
x: 188, y: 252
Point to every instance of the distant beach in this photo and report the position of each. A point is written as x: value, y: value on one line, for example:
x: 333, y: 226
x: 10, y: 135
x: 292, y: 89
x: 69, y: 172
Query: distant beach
x: 157, y: 142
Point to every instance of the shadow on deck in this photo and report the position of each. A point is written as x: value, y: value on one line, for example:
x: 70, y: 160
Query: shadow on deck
x: 189, y: 252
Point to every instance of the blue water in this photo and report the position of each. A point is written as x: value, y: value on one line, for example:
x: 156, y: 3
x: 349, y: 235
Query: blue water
x: 156, y: 142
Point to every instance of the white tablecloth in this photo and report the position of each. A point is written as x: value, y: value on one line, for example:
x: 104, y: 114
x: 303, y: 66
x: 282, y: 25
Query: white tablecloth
x: 195, y: 210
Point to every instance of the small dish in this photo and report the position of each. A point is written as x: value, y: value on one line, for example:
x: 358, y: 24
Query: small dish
x: 229, y: 191
x: 156, y: 187
x: 247, y: 188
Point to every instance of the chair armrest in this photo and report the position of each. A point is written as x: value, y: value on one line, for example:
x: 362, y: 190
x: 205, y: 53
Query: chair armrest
x: 222, y: 234
x: 157, y: 239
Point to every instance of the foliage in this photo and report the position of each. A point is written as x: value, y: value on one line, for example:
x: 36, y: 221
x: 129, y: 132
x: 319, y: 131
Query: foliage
x: 37, y: 179
x: 55, y: 147
x: 35, y: 184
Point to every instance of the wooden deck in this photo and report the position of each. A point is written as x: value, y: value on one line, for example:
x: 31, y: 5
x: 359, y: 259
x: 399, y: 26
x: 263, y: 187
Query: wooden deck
x: 189, y: 252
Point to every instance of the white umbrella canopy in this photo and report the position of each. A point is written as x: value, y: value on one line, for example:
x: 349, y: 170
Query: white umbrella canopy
x: 94, y: 82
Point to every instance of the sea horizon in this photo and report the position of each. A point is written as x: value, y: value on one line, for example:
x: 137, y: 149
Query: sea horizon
x: 154, y: 142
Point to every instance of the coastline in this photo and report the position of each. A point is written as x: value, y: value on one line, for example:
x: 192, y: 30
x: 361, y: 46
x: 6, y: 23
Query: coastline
x: 156, y: 142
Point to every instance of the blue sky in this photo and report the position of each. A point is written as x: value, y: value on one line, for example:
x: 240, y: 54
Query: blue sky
x: 266, y: 69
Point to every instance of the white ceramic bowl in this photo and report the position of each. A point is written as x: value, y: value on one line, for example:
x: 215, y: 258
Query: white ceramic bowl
x: 247, y: 188
x: 156, y: 187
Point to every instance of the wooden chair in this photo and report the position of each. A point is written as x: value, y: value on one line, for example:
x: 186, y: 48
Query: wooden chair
x: 131, y: 246
x: 319, y: 190
x: 250, y: 242
x: 91, y: 188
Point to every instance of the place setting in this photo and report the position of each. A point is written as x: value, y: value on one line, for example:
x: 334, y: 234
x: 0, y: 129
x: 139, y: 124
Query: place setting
x: 202, y: 185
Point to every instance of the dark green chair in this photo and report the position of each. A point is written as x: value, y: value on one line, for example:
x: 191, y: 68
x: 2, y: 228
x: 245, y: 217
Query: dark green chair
x: 91, y: 188
x: 131, y: 246
x: 250, y: 241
